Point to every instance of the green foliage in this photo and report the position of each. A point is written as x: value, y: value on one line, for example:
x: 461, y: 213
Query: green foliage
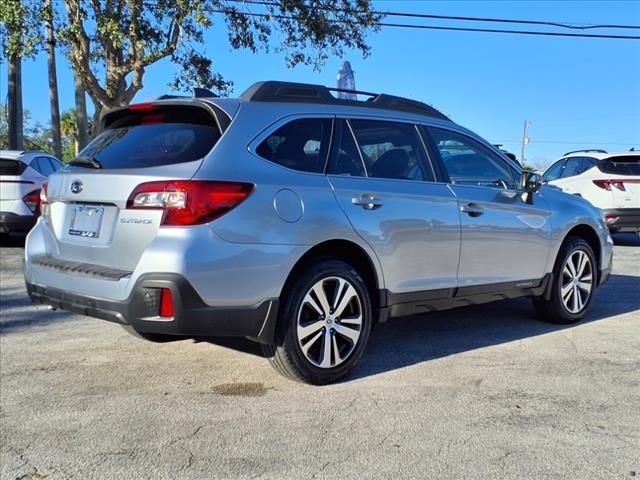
x: 38, y: 136
x: 20, y: 28
x: 110, y: 43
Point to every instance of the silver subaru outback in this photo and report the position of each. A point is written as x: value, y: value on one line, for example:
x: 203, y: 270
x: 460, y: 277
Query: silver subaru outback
x: 301, y: 220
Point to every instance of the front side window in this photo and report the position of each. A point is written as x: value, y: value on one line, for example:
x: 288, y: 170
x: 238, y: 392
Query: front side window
x: 554, y: 172
x: 391, y: 150
x: 301, y: 144
x: 468, y: 162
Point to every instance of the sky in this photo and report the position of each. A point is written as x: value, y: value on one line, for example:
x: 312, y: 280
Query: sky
x: 575, y: 92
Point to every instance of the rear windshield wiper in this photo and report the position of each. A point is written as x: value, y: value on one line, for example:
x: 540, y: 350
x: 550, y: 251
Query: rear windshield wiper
x: 83, y: 161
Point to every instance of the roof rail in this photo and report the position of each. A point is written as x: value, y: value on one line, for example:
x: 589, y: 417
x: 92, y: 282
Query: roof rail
x: 273, y: 91
x: 595, y: 150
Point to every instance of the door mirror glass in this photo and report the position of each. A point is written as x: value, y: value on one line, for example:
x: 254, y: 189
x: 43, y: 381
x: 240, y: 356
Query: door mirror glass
x: 530, y: 182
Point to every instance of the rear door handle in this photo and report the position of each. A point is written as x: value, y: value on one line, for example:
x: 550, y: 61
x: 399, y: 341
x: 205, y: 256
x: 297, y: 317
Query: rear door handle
x: 472, y: 209
x: 367, y: 201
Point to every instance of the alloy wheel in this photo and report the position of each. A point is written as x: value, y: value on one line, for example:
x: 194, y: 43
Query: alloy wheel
x: 577, y: 281
x: 329, y: 322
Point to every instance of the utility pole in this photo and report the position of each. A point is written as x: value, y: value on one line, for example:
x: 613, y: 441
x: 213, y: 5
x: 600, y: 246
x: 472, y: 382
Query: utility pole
x: 525, y: 141
x: 53, y: 81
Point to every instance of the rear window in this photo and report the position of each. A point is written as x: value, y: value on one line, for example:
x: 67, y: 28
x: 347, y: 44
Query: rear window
x: 11, y: 167
x: 155, y: 137
x: 621, y: 165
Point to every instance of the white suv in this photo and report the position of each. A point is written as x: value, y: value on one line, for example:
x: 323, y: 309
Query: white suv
x: 21, y: 177
x: 610, y: 181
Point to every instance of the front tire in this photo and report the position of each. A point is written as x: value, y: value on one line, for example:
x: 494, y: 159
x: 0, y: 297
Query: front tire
x: 574, y: 282
x: 324, y: 324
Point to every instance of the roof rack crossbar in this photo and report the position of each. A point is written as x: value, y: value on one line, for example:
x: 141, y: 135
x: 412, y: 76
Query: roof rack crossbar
x: 595, y: 150
x: 274, y: 91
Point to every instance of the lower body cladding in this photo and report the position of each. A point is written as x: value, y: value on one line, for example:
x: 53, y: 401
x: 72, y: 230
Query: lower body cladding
x: 190, y: 316
x: 623, y: 219
x: 12, y: 222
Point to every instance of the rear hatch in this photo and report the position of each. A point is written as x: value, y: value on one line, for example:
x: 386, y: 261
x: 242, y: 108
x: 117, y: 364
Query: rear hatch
x: 87, y: 202
x: 15, y: 184
x: 622, y: 178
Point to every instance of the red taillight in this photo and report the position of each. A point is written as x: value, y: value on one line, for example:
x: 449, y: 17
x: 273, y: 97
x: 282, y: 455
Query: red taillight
x: 142, y: 107
x: 607, y: 184
x: 166, y: 303
x: 189, y: 202
x: 610, y: 218
x: 32, y: 200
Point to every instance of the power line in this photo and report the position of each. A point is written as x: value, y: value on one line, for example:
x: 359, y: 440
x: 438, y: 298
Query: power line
x: 459, y: 18
x: 457, y: 29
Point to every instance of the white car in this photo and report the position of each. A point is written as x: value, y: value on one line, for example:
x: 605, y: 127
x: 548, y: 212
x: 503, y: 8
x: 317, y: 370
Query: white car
x: 610, y: 181
x: 21, y: 177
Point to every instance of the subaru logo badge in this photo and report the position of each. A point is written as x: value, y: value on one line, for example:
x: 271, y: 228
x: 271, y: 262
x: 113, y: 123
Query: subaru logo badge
x: 76, y: 186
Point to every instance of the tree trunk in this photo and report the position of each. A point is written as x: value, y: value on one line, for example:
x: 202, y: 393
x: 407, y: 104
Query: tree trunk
x: 81, y: 113
x: 53, y: 82
x: 14, y: 94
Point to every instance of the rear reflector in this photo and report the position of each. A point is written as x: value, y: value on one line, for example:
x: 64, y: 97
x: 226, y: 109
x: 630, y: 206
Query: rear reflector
x: 166, y: 303
x: 189, y: 202
x: 32, y: 201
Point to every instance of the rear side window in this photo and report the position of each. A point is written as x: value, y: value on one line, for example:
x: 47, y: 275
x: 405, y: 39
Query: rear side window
x: 391, y: 150
x: 573, y: 167
x: 621, y: 165
x: 42, y: 165
x: 154, y: 137
x: 301, y: 144
x: 11, y: 167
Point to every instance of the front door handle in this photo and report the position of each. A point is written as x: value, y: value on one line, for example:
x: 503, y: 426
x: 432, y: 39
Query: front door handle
x: 367, y: 201
x: 472, y: 209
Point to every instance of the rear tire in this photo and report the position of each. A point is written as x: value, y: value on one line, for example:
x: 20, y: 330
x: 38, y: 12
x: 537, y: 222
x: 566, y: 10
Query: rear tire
x: 575, y: 277
x: 323, y: 325
x: 150, y: 337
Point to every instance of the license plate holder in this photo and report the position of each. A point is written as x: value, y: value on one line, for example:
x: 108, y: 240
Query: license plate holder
x: 86, y: 221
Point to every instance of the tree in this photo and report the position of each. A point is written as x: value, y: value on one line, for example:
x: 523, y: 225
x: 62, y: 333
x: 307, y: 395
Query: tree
x: 19, y: 37
x: 53, y: 77
x: 118, y: 39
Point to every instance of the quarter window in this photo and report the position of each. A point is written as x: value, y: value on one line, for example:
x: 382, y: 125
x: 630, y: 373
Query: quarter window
x: 468, y: 162
x: 42, y: 166
x: 391, y: 150
x: 301, y: 144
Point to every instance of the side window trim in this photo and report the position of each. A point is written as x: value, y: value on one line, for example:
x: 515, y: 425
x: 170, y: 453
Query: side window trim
x: 355, y: 142
x: 493, y: 155
x: 440, y: 170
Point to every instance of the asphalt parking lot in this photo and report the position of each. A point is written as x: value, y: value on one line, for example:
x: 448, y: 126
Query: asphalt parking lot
x: 481, y: 392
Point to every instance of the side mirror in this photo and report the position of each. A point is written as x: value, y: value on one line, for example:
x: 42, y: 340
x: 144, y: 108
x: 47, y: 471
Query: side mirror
x: 530, y: 182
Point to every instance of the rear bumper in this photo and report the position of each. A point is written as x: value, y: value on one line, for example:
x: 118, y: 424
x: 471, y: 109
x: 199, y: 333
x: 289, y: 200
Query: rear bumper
x: 11, y: 222
x: 192, y: 316
x: 623, y: 219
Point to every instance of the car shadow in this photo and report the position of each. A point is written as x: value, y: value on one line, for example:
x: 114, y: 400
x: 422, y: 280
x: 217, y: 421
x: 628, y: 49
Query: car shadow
x: 12, y: 241
x: 408, y: 341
